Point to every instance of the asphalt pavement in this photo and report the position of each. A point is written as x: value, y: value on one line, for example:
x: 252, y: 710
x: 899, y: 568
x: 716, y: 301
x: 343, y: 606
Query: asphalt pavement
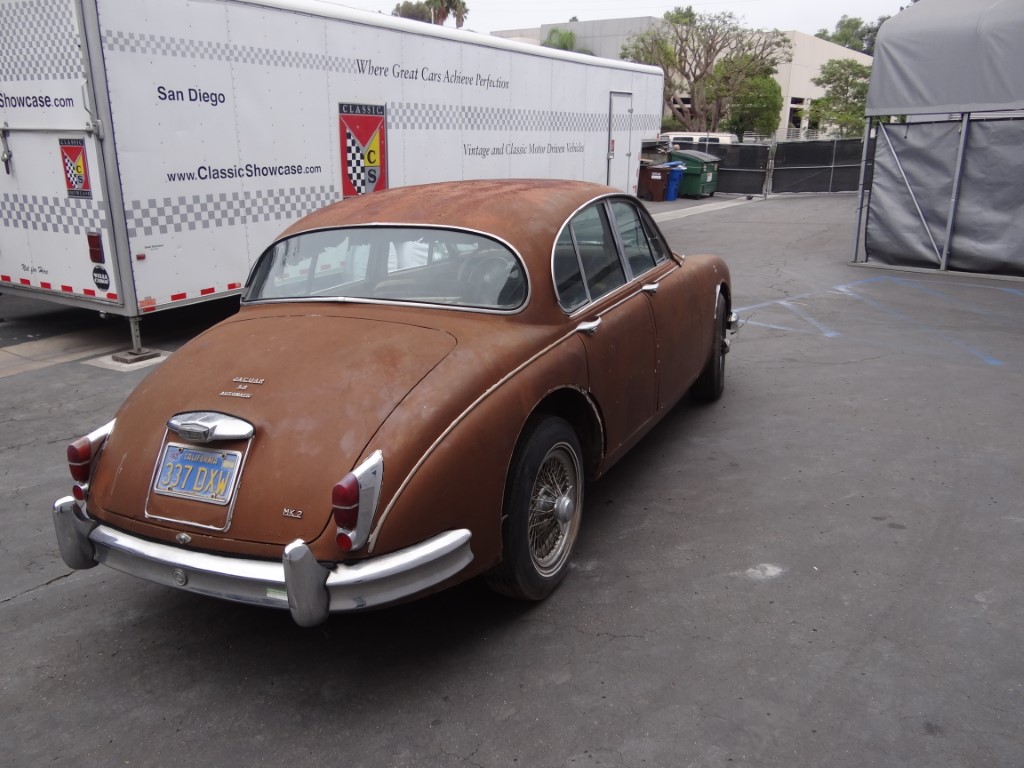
x: 822, y: 569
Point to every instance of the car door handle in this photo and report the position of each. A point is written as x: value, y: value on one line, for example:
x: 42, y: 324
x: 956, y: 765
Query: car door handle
x: 650, y: 288
x: 589, y: 328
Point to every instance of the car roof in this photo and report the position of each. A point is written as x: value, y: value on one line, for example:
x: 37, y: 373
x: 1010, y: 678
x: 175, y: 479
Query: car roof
x: 527, y: 213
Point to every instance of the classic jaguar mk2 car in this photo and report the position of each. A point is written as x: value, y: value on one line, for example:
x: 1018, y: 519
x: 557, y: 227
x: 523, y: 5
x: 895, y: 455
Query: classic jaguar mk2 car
x: 414, y: 391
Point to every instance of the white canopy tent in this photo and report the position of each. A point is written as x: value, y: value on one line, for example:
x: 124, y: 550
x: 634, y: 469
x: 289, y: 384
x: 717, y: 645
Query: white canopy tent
x: 947, y: 187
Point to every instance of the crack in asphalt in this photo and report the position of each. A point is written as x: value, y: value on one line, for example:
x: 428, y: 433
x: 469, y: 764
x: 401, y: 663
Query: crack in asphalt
x: 30, y: 590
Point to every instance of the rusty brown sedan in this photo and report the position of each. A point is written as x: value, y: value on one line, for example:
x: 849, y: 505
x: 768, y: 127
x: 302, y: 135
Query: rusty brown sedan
x: 414, y: 392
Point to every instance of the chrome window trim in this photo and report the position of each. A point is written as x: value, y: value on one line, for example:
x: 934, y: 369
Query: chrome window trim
x: 606, y: 200
x: 245, y: 301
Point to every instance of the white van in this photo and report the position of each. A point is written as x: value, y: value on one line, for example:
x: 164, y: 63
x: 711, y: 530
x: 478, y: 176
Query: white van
x: 680, y: 140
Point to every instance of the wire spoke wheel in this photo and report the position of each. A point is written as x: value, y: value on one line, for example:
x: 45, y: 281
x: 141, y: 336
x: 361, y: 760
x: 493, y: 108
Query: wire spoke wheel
x: 554, y: 502
x: 542, y: 511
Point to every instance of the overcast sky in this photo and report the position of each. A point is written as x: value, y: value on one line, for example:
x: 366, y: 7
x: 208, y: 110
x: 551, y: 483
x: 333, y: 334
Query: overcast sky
x: 802, y: 15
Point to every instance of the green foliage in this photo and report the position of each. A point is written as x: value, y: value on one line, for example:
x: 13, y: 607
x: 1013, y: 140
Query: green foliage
x: 854, y: 33
x: 433, y: 11
x: 417, y: 11
x: 846, y: 93
x: 563, y: 40
x: 756, y: 106
x: 706, y: 59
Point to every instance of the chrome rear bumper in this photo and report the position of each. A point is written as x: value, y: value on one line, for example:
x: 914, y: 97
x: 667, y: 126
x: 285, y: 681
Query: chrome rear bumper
x: 299, y: 582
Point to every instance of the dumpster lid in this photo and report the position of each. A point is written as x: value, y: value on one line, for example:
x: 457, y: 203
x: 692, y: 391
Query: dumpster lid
x: 693, y: 154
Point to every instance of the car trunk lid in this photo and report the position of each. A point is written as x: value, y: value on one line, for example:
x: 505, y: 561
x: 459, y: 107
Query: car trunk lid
x: 315, y: 389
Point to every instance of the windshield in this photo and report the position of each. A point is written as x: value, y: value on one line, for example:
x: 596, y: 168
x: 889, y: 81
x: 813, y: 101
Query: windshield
x: 408, y: 264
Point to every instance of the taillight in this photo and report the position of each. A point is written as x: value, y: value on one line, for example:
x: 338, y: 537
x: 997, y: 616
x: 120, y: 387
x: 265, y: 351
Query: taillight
x: 354, y: 501
x: 80, y: 459
x: 345, y: 500
x: 95, y: 247
x: 82, y: 452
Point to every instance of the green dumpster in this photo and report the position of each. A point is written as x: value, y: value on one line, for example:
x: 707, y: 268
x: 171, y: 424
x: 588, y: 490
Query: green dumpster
x: 700, y: 176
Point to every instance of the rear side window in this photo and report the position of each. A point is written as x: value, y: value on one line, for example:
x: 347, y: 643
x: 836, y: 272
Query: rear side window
x: 602, y: 268
x: 635, y: 244
x: 585, y: 263
x: 603, y: 246
x: 572, y: 291
x: 641, y: 242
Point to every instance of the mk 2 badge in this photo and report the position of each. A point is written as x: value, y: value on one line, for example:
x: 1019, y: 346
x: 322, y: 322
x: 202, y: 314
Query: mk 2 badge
x: 363, y: 132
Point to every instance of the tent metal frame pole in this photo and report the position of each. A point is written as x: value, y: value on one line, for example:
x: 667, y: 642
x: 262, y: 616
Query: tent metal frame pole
x: 954, y: 200
x: 913, y: 197
x: 860, y: 191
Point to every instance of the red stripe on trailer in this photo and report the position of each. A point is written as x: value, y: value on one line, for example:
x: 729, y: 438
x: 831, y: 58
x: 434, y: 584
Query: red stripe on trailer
x: 47, y: 286
x: 25, y: 282
x: 234, y: 286
x: 67, y: 289
x: 89, y: 292
x: 112, y: 296
x: 178, y: 296
x: 207, y: 291
x: 5, y: 278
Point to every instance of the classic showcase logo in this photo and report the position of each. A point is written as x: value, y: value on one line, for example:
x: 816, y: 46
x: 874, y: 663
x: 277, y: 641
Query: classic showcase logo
x: 363, y: 134
x: 76, y: 168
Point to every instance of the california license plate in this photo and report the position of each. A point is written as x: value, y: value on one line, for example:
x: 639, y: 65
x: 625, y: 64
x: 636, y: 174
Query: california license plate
x: 197, y: 473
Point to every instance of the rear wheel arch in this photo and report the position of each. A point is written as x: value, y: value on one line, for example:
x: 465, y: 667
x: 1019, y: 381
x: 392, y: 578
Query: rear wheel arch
x: 723, y: 291
x: 577, y: 408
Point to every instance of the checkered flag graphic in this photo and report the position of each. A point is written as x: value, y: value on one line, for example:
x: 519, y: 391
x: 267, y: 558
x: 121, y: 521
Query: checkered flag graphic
x: 354, y: 163
x: 75, y: 179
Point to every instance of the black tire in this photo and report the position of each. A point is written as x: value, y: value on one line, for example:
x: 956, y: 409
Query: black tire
x: 543, y: 507
x: 711, y: 382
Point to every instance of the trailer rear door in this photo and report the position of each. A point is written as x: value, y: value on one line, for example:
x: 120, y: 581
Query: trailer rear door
x: 55, y: 233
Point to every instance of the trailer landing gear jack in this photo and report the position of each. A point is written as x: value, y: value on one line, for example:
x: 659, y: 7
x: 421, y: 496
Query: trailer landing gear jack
x: 137, y: 353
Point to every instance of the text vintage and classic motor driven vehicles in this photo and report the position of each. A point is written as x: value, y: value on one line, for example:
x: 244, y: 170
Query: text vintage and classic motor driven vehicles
x: 416, y: 387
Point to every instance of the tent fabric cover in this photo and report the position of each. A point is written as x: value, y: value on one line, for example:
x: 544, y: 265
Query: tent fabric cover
x: 989, y: 225
x: 949, y: 56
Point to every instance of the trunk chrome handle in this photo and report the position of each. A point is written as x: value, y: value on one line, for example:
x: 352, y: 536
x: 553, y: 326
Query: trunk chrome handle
x: 589, y: 328
x: 650, y: 288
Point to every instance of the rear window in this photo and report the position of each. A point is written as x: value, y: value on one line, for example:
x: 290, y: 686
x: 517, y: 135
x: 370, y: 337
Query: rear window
x: 405, y: 264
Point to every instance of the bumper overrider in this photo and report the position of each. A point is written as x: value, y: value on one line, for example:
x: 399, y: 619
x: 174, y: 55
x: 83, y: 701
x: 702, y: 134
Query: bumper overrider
x: 306, y: 587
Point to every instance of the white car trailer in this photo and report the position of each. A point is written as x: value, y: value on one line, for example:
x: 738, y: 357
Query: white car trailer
x: 152, y: 148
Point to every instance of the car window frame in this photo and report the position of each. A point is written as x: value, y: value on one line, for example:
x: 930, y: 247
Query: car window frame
x: 654, y: 238
x: 381, y: 264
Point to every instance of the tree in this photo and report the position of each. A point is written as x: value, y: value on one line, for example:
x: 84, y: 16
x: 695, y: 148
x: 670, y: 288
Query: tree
x: 853, y: 33
x: 846, y: 93
x: 433, y: 11
x: 706, y: 58
x: 417, y: 11
x: 563, y: 40
x: 756, y: 106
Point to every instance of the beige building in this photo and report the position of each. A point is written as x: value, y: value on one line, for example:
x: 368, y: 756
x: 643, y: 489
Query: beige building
x: 606, y: 38
x: 809, y: 54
